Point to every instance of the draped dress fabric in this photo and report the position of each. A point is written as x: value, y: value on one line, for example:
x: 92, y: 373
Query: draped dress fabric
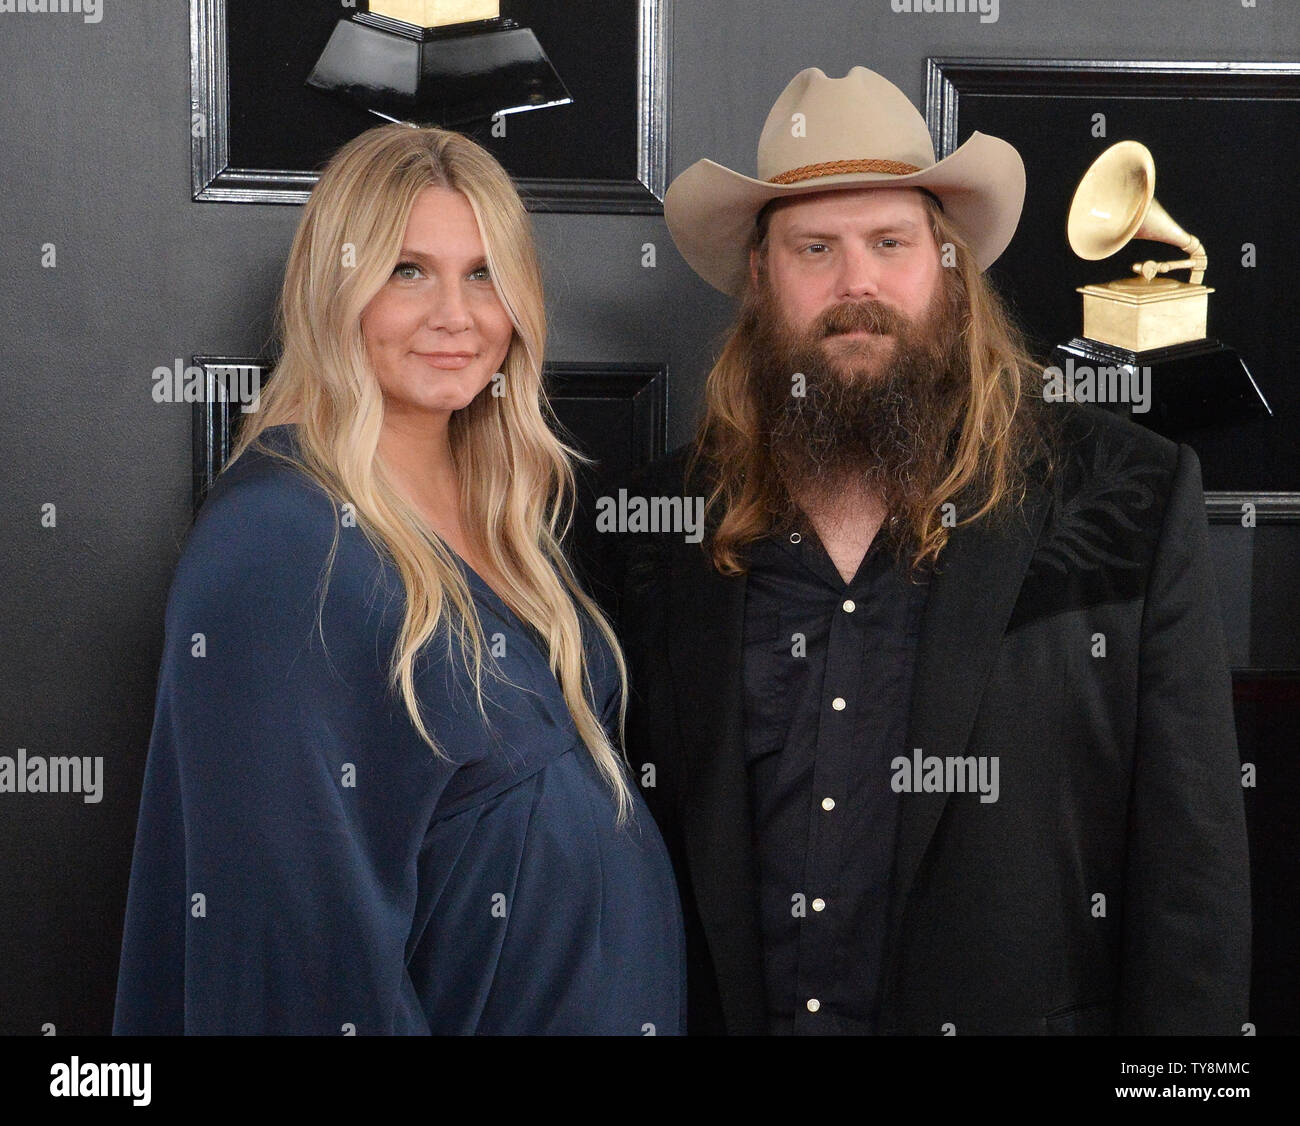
x: 305, y: 864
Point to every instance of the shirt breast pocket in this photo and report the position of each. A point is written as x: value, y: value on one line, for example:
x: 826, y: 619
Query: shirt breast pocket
x: 770, y: 649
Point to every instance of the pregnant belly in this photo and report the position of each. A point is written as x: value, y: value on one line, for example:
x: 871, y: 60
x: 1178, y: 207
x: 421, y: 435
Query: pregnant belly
x: 543, y: 916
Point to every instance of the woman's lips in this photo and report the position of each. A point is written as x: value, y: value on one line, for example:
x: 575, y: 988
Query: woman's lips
x: 450, y: 361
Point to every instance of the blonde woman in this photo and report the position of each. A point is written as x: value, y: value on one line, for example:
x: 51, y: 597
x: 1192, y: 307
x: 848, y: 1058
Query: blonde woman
x: 384, y: 792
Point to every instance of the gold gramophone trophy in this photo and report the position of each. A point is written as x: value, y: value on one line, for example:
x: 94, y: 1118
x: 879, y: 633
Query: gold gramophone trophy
x: 438, y: 62
x: 1149, y: 322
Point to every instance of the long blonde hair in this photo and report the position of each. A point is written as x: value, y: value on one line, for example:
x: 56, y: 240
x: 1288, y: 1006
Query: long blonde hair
x: 516, y: 478
x: 1001, y: 433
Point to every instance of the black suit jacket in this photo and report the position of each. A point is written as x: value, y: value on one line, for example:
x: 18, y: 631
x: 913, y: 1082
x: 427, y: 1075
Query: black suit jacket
x: 1119, y: 774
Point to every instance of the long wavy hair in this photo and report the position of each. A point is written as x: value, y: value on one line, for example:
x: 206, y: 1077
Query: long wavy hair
x: 1001, y: 433
x: 516, y: 477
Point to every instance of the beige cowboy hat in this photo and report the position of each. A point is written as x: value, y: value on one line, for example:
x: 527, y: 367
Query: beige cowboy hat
x: 855, y: 131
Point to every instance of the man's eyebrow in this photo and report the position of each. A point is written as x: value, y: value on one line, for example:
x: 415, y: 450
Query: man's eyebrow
x: 901, y: 225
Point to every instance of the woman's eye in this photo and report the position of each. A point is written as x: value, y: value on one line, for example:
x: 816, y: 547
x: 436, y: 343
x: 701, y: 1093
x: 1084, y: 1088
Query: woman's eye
x: 410, y: 271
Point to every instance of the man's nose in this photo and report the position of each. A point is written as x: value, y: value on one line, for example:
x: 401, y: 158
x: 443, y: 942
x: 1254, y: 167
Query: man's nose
x: 859, y: 274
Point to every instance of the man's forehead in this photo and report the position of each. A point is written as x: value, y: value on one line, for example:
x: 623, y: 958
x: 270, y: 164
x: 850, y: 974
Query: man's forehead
x: 852, y: 205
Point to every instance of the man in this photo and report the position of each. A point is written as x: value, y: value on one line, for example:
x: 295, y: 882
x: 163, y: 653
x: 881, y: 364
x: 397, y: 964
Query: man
x: 936, y: 720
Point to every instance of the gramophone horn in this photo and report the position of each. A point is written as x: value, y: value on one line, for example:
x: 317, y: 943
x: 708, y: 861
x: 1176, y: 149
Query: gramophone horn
x: 1115, y: 203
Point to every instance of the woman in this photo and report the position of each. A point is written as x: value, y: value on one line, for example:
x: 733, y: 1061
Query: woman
x: 383, y: 794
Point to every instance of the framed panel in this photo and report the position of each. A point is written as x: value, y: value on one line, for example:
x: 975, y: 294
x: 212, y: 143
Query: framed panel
x: 260, y: 135
x: 614, y: 413
x: 1266, y: 703
x: 1222, y: 135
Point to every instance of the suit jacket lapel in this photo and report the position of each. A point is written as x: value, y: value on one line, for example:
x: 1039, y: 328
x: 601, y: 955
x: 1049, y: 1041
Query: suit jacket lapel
x: 970, y: 602
x: 706, y: 625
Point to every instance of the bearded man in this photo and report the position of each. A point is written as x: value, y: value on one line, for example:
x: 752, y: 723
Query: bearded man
x: 936, y: 721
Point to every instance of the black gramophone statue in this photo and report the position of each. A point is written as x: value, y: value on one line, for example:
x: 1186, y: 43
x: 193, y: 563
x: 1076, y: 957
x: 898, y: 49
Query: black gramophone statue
x: 440, y: 62
x: 1150, y: 324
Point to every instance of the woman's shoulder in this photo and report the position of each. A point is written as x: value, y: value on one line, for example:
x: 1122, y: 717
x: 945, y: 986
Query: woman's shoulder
x: 264, y: 519
x: 265, y: 494
x: 271, y: 560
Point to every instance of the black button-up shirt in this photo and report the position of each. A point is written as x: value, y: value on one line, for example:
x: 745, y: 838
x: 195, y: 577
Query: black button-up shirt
x: 827, y: 677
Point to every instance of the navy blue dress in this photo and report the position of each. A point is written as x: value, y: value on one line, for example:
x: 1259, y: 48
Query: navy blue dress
x: 305, y: 864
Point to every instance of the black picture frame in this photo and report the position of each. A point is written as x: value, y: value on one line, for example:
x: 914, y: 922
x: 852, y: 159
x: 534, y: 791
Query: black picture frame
x: 1266, y: 709
x: 1215, y: 153
x: 608, y: 154
x: 615, y: 413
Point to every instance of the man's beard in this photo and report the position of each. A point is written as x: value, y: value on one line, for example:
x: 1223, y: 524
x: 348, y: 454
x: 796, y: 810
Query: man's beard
x: 877, y: 414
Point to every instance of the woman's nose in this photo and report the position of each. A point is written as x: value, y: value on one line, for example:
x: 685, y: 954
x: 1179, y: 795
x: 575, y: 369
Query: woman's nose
x: 448, y: 309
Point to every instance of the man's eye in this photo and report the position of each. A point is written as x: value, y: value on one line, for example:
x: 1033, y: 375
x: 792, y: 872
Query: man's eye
x: 890, y: 243
x: 816, y: 246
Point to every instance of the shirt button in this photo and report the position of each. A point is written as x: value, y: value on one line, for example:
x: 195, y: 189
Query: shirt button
x: 828, y: 804
x: 819, y: 905
x: 849, y: 606
x: 813, y: 1004
x: 838, y: 703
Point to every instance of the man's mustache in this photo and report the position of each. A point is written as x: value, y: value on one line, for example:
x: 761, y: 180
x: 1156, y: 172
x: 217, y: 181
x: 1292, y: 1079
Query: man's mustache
x: 861, y: 316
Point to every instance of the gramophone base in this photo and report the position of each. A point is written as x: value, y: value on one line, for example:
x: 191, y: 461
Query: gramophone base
x: 1194, y: 385
x: 444, y: 76
x: 1140, y: 315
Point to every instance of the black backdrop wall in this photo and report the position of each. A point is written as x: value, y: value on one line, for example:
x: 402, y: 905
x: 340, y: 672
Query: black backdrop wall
x: 95, y: 161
